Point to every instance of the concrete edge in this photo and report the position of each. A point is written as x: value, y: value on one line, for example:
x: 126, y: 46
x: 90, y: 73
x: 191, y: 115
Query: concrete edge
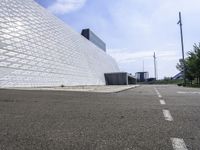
x: 126, y: 89
x: 94, y: 90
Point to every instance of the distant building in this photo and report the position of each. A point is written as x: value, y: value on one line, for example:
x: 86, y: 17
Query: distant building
x: 142, y: 76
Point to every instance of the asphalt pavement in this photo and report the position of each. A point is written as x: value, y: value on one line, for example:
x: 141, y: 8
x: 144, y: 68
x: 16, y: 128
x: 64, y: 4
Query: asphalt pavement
x: 149, y: 117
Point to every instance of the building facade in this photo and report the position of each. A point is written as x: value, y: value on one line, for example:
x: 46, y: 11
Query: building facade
x: 38, y: 49
x: 142, y: 76
x: 88, y: 34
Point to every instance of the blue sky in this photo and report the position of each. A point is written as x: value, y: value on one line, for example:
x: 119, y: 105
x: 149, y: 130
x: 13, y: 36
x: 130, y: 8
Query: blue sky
x: 134, y: 29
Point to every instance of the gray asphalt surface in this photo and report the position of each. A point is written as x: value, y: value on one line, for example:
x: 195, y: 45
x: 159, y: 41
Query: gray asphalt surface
x: 128, y: 120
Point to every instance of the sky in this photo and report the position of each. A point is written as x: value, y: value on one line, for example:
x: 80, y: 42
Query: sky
x: 134, y: 29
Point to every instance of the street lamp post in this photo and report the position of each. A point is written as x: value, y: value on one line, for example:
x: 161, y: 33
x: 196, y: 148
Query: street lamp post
x: 182, y: 45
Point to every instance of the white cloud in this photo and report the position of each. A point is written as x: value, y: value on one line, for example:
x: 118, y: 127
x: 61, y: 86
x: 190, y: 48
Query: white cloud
x: 66, y: 6
x: 125, y: 56
x: 132, y: 61
x: 138, y: 28
x: 147, y: 26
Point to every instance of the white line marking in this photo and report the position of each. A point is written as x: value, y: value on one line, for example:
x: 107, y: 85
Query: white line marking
x: 162, y: 102
x: 167, y: 115
x: 181, y: 92
x: 159, y: 95
x: 178, y: 144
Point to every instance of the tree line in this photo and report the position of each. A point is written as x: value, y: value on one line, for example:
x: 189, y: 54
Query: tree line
x: 192, y: 65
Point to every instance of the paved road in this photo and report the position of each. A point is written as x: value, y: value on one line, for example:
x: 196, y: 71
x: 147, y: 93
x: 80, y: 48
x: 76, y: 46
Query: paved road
x: 144, y: 118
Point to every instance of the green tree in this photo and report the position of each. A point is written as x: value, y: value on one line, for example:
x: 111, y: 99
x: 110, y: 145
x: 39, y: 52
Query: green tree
x: 192, y: 64
x: 195, y: 61
x: 188, y: 74
x: 180, y: 65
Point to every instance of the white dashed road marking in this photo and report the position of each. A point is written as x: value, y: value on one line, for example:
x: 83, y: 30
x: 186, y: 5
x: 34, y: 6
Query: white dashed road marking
x: 159, y: 95
x: 178, y: 144
x: 162, y: 102
x: 167, y: 115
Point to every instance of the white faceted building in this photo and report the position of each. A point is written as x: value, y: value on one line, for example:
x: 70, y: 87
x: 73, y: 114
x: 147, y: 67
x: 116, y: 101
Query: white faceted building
x: 38, y: 49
